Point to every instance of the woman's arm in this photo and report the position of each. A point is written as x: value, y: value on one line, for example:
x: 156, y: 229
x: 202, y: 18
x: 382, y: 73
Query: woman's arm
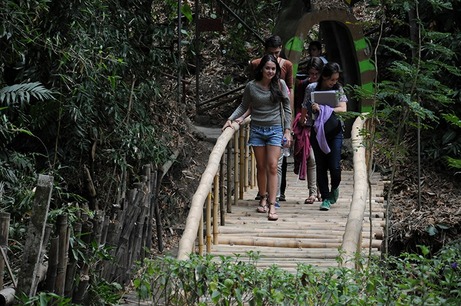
x: 240, y: 119
x: 242, y: 110
x: 341, y: 107
x: 286, y: 103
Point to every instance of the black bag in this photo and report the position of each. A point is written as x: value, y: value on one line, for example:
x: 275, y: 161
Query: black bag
x: 332, y: 126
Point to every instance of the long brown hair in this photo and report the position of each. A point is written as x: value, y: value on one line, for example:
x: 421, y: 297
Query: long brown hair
x: 276, y: 91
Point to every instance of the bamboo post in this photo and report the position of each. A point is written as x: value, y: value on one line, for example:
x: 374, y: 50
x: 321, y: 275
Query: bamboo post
x: 105, y: 227
x: 215, y: 209
x: 7, y: 296
x: 52, y: 264
x: 122, y: 255
x: 200, y: 237
x: 153, y: 199
x: 147, y: 172
x: 32, y: 259
x: 247, y: 157
x: 98, y: 225
x: 236, y: 169
x: 242, y: 163
x: 137, y: 236
x: 113, y: 236
x: 229, y: 179
x: 161, y: 173
x: 78, y: 295
x: 62, y: 227
x: 4, y: 227
x: 158, y: 218
x: 208, y: 223
x: 253, y: 169
x: 221, y: 192
x: 72, y: 266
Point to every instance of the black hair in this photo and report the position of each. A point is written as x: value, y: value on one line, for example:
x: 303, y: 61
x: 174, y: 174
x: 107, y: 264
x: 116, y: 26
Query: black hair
x: 316, y: 44
x: 273, y: 41
x: 329, y: 69
x: 276, y: 92
x: 316, y: 63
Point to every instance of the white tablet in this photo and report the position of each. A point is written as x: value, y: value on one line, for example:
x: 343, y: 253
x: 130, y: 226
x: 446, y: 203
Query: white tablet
x: 328, y: 97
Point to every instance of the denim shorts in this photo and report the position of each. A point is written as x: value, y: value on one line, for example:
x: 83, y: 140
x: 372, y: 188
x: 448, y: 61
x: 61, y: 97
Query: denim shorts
x: 265, y: 136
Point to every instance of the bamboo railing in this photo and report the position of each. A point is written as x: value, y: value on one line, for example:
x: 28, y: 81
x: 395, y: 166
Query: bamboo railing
x: 209, y: 186
x: 207, y: 193
x: 352, y: 239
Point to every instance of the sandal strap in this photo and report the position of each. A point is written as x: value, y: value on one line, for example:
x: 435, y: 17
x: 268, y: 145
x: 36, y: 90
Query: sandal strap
x: 272, y: 216
x: 262, y: 208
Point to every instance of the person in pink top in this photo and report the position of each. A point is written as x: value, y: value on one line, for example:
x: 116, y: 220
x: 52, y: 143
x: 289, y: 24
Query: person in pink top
x: 304, y: 158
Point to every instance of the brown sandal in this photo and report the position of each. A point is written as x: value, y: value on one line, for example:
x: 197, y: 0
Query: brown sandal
x: 310, y: 200
x: 262, y: 208
x: 272, y: 216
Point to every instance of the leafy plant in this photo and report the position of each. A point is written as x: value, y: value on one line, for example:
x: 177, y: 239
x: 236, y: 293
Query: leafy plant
x: 410, y: 279
x: 20, y: 94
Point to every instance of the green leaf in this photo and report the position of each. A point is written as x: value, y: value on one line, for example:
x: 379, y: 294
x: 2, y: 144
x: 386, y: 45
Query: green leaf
x: 187, y: 11
x: 19, y: 94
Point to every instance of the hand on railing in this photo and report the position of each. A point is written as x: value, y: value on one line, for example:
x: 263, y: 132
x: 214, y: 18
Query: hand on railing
x: 239, y: 120
x: 228, y: 123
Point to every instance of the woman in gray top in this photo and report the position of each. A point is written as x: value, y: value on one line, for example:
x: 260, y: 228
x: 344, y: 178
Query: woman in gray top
x: 267, y: 98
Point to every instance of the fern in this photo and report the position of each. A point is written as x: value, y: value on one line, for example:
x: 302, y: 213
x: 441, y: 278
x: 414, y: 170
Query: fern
x: 20, y: 94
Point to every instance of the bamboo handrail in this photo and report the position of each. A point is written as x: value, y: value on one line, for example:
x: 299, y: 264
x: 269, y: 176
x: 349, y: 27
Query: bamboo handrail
x: 353, y: 232
x: 186, y: 244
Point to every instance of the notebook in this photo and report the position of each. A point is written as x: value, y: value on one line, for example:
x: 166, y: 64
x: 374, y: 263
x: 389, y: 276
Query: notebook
x: 328, y: 97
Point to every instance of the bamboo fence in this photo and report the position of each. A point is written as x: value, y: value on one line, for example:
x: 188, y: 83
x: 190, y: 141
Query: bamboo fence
x: 49, y: 257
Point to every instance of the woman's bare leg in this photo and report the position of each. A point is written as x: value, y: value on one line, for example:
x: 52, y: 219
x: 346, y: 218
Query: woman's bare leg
x: 272, y: 157
x: 260, y: 155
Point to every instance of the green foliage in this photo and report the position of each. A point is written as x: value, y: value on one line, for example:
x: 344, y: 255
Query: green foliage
x: 44, y: 299
x: 22, y: 93
x: 407, y: 280
x: 418, y: 80
x: 104, y: 294
x: 80, y: 88
x: 95, y: 106
x: 245, y: 34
